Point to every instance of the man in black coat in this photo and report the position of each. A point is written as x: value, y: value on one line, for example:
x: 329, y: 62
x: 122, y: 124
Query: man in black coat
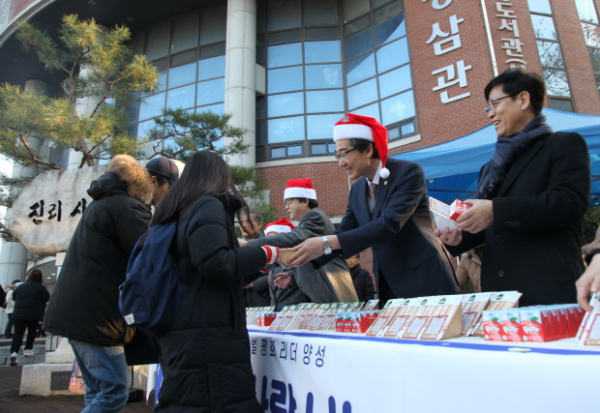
x: 362, y: 280
x: 84, y: 304
x: 531, y: 198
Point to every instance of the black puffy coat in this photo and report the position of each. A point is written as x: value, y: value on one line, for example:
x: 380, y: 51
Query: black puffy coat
x: 207, y: 359
x: 30, y: 301
x: 84, y: 304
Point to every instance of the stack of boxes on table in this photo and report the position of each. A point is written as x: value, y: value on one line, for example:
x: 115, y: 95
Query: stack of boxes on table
x: 493, y: 316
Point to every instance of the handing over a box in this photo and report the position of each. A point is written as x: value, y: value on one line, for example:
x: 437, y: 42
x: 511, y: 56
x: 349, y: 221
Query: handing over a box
x: 445, y: 215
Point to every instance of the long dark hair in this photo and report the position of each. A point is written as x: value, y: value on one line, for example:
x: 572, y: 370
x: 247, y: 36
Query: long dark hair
x: 35, y: 276
x: 205, y: 174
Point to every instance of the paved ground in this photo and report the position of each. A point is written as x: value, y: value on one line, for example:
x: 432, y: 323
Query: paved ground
x: 10, y: 377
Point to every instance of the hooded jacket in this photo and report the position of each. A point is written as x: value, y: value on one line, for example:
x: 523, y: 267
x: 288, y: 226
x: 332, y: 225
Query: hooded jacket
x: 84, y: 303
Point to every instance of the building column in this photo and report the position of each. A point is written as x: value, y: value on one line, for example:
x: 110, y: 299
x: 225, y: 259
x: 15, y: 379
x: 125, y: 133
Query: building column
x: 240, y: 74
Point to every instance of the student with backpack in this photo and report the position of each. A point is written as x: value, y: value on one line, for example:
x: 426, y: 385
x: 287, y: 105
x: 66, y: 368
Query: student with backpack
x: 206, y: 358
x: 84, y: 304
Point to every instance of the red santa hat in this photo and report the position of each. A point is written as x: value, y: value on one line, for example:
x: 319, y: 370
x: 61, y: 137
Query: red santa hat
x: 279, y: 226
x: 365, y: 127
x: 300, y: 188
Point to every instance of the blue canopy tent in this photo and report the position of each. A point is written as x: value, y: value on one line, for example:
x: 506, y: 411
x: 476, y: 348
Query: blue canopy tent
x: 452, y: 168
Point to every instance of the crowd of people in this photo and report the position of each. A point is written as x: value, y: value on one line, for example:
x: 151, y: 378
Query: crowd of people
x: 522, y: 233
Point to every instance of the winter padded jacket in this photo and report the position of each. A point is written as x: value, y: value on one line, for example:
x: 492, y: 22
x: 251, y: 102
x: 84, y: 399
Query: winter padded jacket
x: 84, y: 304
x: 207, y: 359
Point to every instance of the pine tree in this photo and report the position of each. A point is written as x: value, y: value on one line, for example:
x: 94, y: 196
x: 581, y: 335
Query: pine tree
x: 96, y: 63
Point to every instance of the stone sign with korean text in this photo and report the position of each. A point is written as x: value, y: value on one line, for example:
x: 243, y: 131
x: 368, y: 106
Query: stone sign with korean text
x: 46, y: 212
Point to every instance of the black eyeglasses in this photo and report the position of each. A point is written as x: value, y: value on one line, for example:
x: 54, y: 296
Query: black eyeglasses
x: 343, y: 155
x: 495, y: 102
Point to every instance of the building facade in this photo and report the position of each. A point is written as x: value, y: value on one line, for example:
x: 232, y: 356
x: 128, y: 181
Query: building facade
x: 287, y: 70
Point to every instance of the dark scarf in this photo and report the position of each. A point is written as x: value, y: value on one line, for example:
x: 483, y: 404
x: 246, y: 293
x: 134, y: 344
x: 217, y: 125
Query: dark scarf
x: 508, y: 149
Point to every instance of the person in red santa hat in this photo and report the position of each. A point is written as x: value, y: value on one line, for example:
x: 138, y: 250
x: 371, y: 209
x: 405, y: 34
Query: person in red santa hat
x: 388, y: 210
x: 330, y: 283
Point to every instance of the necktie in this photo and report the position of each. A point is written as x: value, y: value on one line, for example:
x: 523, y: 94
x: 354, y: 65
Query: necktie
x: 373, y: 188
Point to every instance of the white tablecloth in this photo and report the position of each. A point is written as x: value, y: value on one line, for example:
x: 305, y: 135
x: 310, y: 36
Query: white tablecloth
x: 305, y: 372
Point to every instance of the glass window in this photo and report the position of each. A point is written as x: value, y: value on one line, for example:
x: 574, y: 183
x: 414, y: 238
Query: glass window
x: 539, y: 6
x: 184, y: 57
x: 278, y: 152
x: 543, y: 27
x: 398, y: 108
x: 354, y: 8
x: 143, y: 128
x: 358, y: 44
x: 556, y: 82
x: 133, y: 109
x: 283, y: 15
x: 357, y: 25
x: 595, y: 58
x: 392, y: 55
x: 390, y: 29
x: 182, y: 97
x: 212, y: 50
x: 289, y: 36
x: 387, y: 11
x: 286, y: 104
x: 318, y: 149
x: 213, y: 25
x: 562, y: 104
x: 211, y: 68
x: 294, y: 150
x: 152, y: 106
x: 586, y: 10
x: 185, y: 32
x: 550, y: 54
x: 162, y: 82
x: 371, y: 110
x: 320, y: 127
x: 323, y: 76
x: 157, y: 44
x: 285, y: 80
x: 408, y: 128
x: 137, y: 43
x: 322, y: 34
x: 218, y: 109
x: 322, y: 52
x: 260, y: 154
x: 378, y: 3
x: 393, y: 133
x: 286, y: 129
x: 284, y: 55
x: 361, y: 68
x: 362, y: 94
x: 325, y: 101
x: 261, y: 107
x: 261, y: 132
x: 211, y: 91
x: 320, y: 13
x: 591, y: 34
x: 182, y: 75
x: 395, y: 81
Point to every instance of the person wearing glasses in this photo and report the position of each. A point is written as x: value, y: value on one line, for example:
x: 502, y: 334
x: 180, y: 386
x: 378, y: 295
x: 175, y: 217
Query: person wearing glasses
x: 531, y: 198
x: 330, y: 284
x: 388, y: 210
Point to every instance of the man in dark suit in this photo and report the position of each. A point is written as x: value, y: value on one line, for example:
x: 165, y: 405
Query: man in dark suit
x: 408, y: 260
x: 531, y: 198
